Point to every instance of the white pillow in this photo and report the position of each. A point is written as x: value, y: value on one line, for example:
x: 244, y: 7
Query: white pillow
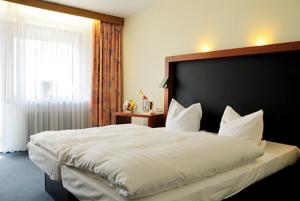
x: 249, y: 127
x: 180, y: 118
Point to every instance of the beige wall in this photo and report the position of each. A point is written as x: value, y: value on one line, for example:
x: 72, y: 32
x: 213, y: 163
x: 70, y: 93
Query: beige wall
x: 184, y: 26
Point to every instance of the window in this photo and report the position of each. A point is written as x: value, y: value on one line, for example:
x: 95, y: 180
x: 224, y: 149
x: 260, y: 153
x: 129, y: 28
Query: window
x: 45, y: 72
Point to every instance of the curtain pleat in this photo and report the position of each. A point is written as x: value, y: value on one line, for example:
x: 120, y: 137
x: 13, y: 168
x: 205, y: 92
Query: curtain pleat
x: 107, y: 83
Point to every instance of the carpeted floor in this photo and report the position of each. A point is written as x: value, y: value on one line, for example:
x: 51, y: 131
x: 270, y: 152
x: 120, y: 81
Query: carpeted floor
x: 20, y: 179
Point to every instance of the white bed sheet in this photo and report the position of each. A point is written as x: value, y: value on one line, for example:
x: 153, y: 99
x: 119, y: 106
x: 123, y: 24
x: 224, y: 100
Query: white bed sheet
x: 87, y: 186
x: 42, y: 158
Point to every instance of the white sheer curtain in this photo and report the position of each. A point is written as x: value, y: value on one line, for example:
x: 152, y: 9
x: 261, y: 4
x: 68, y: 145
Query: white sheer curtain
x: 45, y: 67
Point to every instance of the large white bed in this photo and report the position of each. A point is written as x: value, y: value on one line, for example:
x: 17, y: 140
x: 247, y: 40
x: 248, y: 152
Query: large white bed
x: 51, y: 161
x: 87, y: 186
x: 93, y: 169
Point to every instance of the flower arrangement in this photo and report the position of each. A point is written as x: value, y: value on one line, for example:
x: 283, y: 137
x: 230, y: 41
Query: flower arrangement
x: 130, y: 106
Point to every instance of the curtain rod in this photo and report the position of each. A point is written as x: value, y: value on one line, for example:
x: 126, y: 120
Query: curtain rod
x: 70, y: 10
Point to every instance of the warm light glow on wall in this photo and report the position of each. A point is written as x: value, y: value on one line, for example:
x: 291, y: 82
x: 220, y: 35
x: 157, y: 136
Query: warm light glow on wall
x: 261, y: 41
x: 261, y: 36
x: 206, y: 43
x: 205, y: 48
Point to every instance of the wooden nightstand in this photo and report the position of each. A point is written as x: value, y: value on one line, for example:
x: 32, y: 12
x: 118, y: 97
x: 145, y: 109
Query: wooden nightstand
x: 154, y: 120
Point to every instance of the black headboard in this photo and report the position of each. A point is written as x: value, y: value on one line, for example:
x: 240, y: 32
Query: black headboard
x: 248, y: 82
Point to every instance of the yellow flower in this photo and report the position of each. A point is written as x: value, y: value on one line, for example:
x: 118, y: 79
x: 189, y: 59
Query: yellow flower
x: 132, y: 105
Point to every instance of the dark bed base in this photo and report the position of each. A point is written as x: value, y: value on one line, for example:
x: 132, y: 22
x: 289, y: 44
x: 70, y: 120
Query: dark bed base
x: 280, y: 186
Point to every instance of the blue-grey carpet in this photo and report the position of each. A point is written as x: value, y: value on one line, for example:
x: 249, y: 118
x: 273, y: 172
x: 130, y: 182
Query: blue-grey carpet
x: 20, y: 179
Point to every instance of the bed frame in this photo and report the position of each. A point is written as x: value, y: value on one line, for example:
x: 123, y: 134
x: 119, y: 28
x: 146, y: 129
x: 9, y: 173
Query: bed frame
x: 248, y: 79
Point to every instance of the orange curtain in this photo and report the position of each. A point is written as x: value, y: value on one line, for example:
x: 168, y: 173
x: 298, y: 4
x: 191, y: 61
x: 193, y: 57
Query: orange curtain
x: 106, y: 86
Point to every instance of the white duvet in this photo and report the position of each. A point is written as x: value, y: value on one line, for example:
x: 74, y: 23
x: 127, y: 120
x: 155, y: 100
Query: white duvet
x: 61, y: 142
x: 140, y: 161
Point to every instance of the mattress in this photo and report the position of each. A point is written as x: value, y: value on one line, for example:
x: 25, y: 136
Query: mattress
x: 48, y: 162
x: 87, y: 186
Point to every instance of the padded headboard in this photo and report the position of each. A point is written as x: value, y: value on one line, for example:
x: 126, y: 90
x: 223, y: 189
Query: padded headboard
x: 248, y: 79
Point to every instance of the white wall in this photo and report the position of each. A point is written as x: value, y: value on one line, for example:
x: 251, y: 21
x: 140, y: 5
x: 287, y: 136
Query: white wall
x: 184, y: 26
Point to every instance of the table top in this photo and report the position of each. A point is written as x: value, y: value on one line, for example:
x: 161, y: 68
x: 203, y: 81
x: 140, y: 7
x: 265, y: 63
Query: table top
x: 137, y: 114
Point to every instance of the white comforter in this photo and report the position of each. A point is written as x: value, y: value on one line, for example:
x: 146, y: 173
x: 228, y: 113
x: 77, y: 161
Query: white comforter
x: 61, y: 142
x: 140, y: 161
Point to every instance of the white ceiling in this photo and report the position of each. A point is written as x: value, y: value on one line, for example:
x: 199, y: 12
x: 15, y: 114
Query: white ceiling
x: 120, y: 8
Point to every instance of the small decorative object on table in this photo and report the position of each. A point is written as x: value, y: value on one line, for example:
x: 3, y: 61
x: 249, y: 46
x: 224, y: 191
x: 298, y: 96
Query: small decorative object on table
x: 147, y: 105
x: 129, y: 106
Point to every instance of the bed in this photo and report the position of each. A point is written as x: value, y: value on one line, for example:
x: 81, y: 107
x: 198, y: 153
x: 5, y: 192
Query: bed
x: 258, y: 77
x: 87, y: 186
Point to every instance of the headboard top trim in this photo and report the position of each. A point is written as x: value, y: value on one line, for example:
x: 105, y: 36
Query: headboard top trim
x: 265, y: 49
